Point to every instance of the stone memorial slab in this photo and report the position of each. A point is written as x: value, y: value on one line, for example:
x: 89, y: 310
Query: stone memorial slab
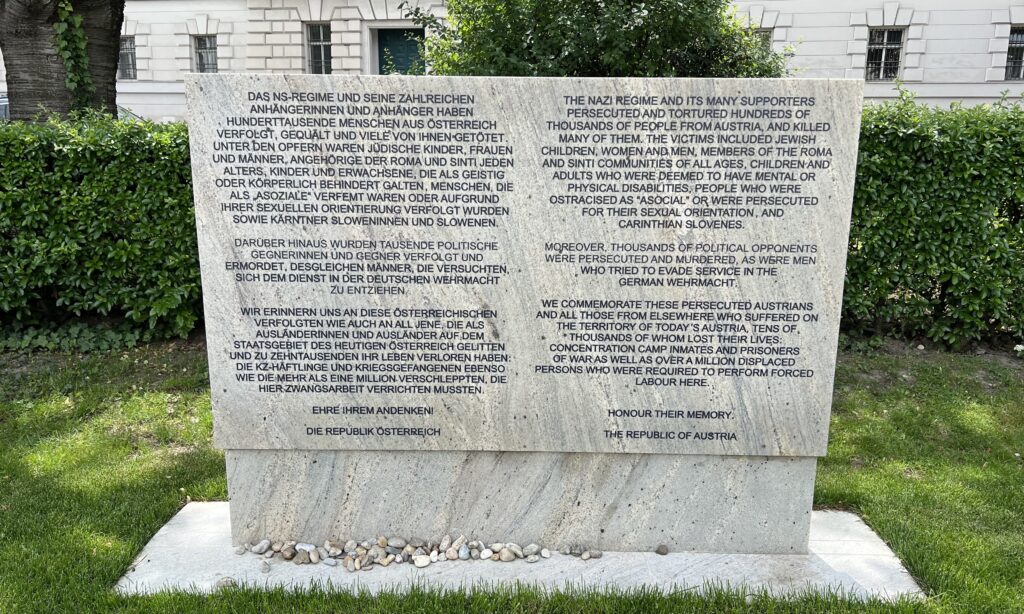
x: 523, y: 264
x: 598, y: 311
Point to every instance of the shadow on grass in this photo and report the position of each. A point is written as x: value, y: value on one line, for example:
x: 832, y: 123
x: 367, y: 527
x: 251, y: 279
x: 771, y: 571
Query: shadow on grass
x: 84, y: 533
x: 85, y: 487
x: 923, y: 447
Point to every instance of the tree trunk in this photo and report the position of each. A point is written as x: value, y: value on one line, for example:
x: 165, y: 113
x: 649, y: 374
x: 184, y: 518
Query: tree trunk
x: 102, y: 25
x: 36, y: 74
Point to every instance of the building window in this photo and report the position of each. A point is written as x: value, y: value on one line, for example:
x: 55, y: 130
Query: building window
x: 206, y: 53
x: 398, y: 51
x: 318, y: 44
x: 126, y: 60
x: 765, y: 35
x: 884, y: 48
x: 1015, y: 55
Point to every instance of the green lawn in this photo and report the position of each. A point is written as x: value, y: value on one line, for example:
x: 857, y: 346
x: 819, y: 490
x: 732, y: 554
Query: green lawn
x: 97, y: 452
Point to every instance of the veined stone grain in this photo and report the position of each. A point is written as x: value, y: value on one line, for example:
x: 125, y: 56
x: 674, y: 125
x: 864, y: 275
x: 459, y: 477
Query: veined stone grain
x: 746, y: 504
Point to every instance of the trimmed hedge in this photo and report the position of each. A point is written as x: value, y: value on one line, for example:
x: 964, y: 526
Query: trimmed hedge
x: 937, y: 239
x: 96, y: 219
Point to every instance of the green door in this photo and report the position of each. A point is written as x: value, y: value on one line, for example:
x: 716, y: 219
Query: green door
x: 398, y: 49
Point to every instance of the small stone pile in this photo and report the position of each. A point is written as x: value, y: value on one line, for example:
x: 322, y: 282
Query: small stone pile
x: 581, y: 552
x: 364, y: 556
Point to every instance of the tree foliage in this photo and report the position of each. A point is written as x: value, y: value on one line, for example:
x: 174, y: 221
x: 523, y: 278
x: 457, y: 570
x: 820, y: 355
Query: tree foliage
x: 595, y: 38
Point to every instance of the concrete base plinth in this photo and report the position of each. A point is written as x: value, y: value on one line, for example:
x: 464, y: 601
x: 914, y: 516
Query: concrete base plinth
x: 194, y: 551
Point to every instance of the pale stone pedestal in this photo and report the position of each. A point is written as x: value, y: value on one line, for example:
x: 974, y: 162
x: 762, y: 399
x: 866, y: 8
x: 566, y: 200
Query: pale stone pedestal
x: 194, y: 551
x: 614, y: 502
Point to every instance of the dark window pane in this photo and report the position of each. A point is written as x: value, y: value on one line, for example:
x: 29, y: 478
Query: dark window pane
x: 891, y: 69
x: 1015, y: 56
x: 206, y: 53
x: 319, y: 33
x: 398, y: 50
x: 874, y: 64
x: 126, y: 59
x: 884, y: 49
x: 1015, y: 63
x: 318, y: 37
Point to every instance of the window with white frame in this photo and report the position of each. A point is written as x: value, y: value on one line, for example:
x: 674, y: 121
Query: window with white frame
x: 885, y: 49
x: 1015, y: 55
x: 126, y: 59
x: 765, y: 35
x: 205, y: 53
x: 318, y: 48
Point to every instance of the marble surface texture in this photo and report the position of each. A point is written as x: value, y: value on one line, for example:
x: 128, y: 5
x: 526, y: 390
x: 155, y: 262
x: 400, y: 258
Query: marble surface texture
x: 536, y: 411
x: 194, y: 551
x: 619, y: 502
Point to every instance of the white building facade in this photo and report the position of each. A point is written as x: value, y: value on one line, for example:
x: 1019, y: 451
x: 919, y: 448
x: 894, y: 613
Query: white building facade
x: 945, y: 50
